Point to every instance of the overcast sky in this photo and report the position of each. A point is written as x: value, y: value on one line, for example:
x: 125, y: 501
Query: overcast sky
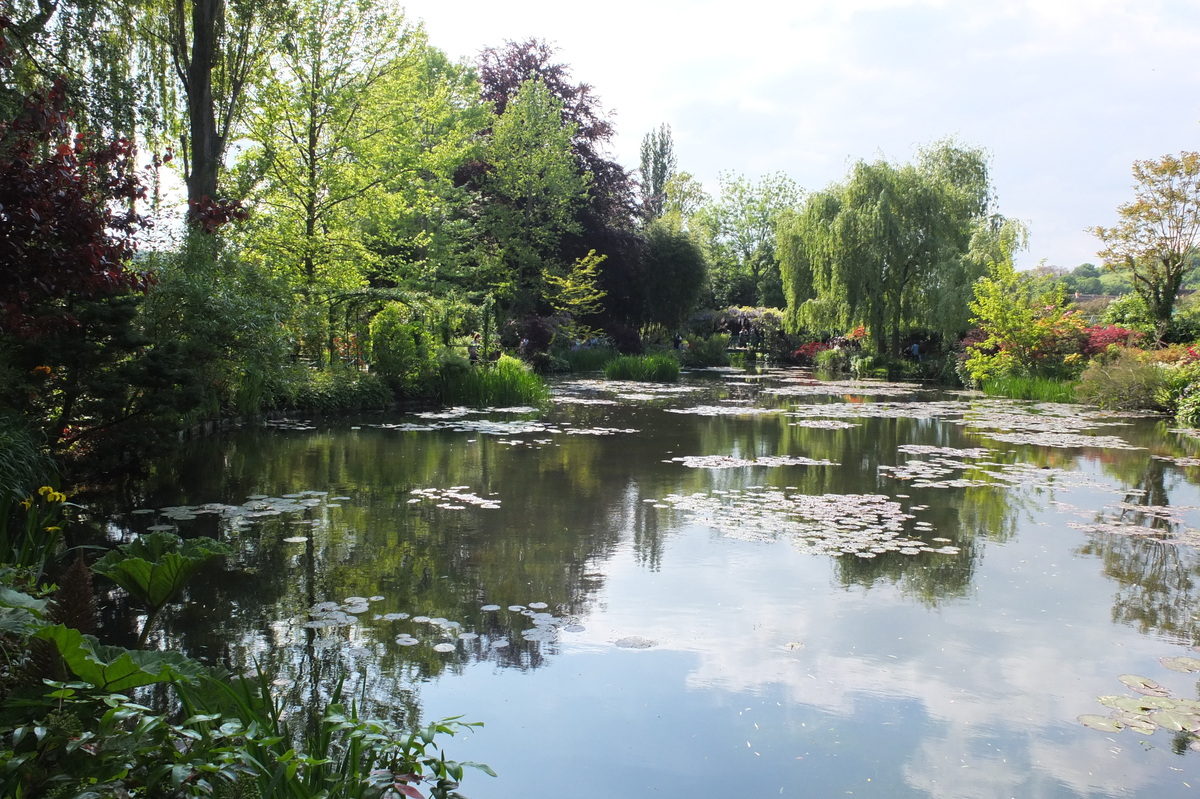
x: 1064, y: 94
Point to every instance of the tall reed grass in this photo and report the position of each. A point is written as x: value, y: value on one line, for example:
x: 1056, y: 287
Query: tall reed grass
x: 656, y: 368
x: 1042, y: 389
x: 506, y: 382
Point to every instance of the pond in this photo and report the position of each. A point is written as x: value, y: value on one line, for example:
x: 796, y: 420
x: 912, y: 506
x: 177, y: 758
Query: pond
x: 748, y: 583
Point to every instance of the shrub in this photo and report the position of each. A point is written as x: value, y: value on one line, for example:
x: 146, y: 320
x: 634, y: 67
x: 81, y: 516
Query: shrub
x: 1125, y: 382
x: 337, y: 389
x: 1101, y: 338
x: 1187, y: 413
x: 658, y: 368
x: 706, y: 351
x: 806, y: 354
x: 400, y: 350
x: 833, y: 362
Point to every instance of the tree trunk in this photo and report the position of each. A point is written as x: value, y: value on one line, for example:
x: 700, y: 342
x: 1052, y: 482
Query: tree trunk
x: 206, y: 144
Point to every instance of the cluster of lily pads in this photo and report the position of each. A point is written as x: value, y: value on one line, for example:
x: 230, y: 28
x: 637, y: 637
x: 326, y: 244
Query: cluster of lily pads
x: 445, y: 635
x: 729, y: 462
x: 1160, y: 522
x: 1154, y: 708
x: 864, y: 525
x: 453, y: 498
x: 801, y: 387
x: 256, y: 508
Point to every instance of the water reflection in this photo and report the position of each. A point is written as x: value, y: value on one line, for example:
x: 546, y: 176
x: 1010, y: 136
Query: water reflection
x: 945, y: 652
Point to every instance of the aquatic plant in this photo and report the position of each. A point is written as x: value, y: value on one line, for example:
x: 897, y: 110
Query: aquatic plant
x: 1042, y: 389
x: 656, y: 368
x: 506, y: 382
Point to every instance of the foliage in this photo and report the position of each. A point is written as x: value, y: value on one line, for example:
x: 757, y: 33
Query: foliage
x: 587, y: 358
x: 1123, y: 382
x: 154, y: 568
x: 702, y: 351
x: 23, y: 464
x: 656, y: 368
x: 1041, y: 389
x: 1157, y: 232
x: 400, y: 349
x: 1027, y: 328
x: 658, y: 166
x: 738, y: 231
x: 889, y: 247
x: 506, y: 382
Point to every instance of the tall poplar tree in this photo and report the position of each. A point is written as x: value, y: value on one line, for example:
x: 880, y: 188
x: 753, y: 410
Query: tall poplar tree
x: 658, y: 167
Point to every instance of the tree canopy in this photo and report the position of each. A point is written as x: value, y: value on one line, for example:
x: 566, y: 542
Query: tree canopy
x: 1158, y: 231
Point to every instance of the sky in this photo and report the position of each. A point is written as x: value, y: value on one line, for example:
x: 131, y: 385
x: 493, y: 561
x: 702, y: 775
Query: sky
x: 1063, y: 94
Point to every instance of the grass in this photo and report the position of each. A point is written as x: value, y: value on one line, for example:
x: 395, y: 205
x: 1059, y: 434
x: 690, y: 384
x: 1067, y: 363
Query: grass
x: 588, y: 359
x: 1042, y: 389
x: 656, y: 368
x: 507, y: 382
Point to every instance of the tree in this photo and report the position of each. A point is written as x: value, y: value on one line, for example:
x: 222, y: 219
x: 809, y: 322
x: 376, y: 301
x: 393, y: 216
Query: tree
x: 1157, y: 232
x: 673, y: 276
x: 738, y: 230
x: 889, y: 246
x: 216, y: 49
x: 314, y: 125
x: 535, y: 188
x: 1026, y: 324
x: 658, y: 167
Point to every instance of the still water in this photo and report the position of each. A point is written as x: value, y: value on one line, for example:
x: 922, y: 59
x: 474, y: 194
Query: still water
x: 742, y: 585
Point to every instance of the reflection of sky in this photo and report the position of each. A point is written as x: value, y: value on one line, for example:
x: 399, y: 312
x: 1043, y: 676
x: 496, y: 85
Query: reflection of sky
x: 768, y: 678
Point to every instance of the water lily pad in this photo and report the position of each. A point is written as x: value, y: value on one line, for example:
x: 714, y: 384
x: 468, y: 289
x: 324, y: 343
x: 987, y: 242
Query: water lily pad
x: 490, y: 608
x: 1176, y: 720
x: 1181, y: 664
x: 1143, y: 685
x: 444, y: 647
x: 634, y: 642
x: 538, y: 605
x: 1102, y: 723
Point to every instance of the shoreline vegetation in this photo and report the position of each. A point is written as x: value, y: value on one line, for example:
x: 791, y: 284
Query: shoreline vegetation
x: 425, y: 233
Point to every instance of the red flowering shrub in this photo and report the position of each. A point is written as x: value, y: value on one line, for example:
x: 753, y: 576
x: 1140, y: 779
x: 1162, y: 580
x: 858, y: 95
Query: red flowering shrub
x: 808, y: 352
x: 1101, y: 337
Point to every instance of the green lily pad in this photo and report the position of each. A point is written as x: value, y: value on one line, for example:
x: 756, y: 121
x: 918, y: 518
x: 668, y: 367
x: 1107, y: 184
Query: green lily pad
x: 1176, y: 720
x: 1181, y: 664
x: 1135, y: 721
x: 1143, y: 685
x: 1102, y: 723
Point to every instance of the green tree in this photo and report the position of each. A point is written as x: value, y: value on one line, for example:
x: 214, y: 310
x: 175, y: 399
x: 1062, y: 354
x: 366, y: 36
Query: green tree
x: 889, y: 247
x: 738, y: 230
x: 534, y: 187
x: 683, y: 197
x: 673, y: 275
x: 658, y: 167
x: 1027, y: 326
x: 316, y: 115
x: 1157, y: 232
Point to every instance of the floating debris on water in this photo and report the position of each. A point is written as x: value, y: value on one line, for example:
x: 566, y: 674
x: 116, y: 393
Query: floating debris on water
x: 450, y: 498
